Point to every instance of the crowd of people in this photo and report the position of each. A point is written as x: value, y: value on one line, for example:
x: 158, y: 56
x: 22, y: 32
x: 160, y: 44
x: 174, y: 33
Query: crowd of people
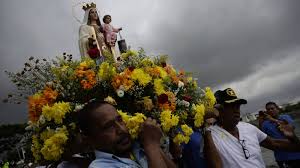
x: 223, y: 141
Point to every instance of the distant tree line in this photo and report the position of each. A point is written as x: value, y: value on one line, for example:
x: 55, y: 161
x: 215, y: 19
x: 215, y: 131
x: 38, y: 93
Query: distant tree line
x: 291, y: 107
x: 10, y: 130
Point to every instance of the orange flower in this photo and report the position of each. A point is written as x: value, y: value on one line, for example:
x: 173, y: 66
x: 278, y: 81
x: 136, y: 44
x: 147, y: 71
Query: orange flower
x: 38, y: 100
x: 88, y: 75
x: 153, y: 71
x: 49, y: 94
x: 35, y: 103
x: 122, y: 79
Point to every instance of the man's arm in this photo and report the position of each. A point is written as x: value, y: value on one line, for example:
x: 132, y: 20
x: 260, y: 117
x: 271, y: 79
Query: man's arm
x: 210, y: 151
x: 154, y: 157
x: 292, y: 142
x: 168, y: 161
x: 281, y: 144
x: 150, y: 136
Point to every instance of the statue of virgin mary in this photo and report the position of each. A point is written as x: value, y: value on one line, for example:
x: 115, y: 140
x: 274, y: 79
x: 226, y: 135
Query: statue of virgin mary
x: 90, y: 31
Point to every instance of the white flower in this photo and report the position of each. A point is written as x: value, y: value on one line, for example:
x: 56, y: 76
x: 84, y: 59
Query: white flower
x: 29, y: 128
x: 120, y: 93
x: 42, y: 119
x: 180, y: 84
x: 50, y: 84
x: 185, y: 103
x: 179, y: 102
x: 78, y: 107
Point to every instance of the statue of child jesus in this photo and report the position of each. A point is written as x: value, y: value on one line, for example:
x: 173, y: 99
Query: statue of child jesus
x: 110, y: 31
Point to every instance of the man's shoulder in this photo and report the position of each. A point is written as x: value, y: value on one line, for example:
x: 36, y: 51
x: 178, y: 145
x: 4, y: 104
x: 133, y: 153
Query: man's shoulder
x: 100, y: 162
x: 245, y: 125
x: 285, y: 116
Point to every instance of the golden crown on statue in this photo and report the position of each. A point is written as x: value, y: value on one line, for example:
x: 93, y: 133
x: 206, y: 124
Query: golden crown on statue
x: 88, y: 6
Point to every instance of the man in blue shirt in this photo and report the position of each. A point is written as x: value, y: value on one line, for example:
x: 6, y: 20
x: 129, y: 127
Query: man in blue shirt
x: 107, y: 134
x: 192, y: 152
x: 270, y: 127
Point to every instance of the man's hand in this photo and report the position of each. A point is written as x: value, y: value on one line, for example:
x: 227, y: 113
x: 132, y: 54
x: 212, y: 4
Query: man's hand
x: 150, y: 137
x: 150, y: 133
x: 287, y: 130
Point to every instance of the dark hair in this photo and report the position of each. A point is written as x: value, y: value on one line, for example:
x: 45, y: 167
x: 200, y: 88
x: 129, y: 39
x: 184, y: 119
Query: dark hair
x: 85, y: 116
x: 218, y: 96
x: 272, y: 103
x: 106, y: 16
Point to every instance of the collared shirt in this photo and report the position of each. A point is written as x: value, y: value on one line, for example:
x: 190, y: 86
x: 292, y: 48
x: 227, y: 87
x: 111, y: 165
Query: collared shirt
x: 231, y: 150
x: 108, y: 160
x: 271, y: 129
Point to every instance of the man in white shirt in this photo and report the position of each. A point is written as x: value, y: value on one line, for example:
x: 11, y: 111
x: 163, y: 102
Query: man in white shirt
x: 238, y: 143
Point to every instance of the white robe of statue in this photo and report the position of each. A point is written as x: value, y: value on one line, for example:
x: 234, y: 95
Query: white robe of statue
x: 88, y: 31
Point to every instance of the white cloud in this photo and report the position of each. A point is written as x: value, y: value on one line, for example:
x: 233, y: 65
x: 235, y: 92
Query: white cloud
x: 272, y: 77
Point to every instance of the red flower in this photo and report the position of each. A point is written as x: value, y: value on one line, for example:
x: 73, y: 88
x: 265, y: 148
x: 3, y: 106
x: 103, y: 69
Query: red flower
x: 131, y: 68
x: 163, y: 64
x: 94, y: 53
x: 163, y: 98
x: 187, y: 98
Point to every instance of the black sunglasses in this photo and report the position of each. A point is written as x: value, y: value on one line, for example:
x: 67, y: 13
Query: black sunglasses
x: 245, y: 150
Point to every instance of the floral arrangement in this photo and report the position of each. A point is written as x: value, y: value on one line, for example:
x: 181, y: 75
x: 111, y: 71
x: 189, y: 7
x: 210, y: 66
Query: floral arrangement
x: 139, y: 86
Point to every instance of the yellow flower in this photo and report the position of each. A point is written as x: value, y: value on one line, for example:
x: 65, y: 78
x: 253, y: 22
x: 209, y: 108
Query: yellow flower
x: 148, y: 104
x: 83, y: 64
x: 209, y: 99
x: 179, y: 138
x: 189, y: 79
x: 128, y: 54
x: 35, y: 148
x: 133, y: 123
x: 159, y: 87
x: 110, y: 100
x: 56, y: 112
x: 140, y: 76
x: 87, y: 63
x: 168, y: 120
x: 199, y: 114
x: 54, y: 146
x: 147, y: 62
x: 64, y: 68
x: 195, y: 84
x: 183, y: 137
x: 106, y: 71
x: 186, y: 130
x: 163, y: 73
x: 124, y: 116
x: 47, y: 134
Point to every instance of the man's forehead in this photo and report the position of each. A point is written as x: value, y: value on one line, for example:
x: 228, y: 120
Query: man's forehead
x: 104, y: 113
x: 271, y: 106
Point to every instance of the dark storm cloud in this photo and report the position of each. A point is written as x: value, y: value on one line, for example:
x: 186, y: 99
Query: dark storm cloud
x: 226, y: 43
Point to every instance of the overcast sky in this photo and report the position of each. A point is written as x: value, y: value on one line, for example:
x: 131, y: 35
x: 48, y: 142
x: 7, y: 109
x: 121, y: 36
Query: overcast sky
x: 251, y: 46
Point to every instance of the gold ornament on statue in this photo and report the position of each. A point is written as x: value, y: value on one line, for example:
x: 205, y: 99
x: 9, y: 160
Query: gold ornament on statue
x: 88, y: 6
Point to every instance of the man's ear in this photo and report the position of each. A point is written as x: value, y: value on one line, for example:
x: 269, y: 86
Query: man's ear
x: 88, y: 142
x: 219, y: 107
